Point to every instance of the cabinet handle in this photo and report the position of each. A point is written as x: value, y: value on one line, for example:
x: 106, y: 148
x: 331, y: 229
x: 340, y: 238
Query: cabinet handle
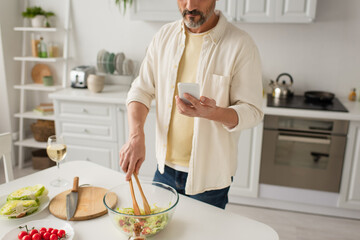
x: 85, y: 130
x: 87, y: 159
x: 83, y: 110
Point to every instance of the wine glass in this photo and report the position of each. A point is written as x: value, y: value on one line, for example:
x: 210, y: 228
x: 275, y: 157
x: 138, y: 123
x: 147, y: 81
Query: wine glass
x: 56, y: 150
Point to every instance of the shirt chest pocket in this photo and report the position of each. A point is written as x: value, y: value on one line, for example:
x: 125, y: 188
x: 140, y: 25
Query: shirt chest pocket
x: 217, y: 87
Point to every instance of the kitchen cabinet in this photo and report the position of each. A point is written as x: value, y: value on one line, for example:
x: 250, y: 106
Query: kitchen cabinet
x: 255, y: 11
x: 246, y: 180
x: 350, y: 184
x: 164, y: 10
x: 295, y: 11
x: 276, y: 11
x: 89, y: 130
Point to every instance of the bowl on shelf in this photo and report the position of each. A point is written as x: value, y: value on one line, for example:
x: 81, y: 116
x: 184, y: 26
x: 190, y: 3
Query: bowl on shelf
x: 162, y: 199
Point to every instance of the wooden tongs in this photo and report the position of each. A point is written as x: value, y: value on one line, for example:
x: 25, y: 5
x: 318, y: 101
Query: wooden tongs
x: 145, y: 202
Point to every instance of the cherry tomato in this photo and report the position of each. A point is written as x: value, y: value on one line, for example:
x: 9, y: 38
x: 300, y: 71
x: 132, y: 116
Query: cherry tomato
x: 42, y: 233
x: 47, y: 236
x: 61, y: 233
x: 54, y: 231
x: 22, y: 234
x: 43, y: 229
x: 36, y: 236
x: 32, y: 232
x: 27, y: 237
x: 53, y: 237
x: 49, y: 230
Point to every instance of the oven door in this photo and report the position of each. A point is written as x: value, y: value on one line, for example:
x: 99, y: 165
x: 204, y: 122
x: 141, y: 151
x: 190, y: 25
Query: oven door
x: 303, y: 160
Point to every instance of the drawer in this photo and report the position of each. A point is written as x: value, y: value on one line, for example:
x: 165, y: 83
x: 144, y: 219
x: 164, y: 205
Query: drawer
x: 101, y: 156
x: 88, y: 131
x: 86, y: 110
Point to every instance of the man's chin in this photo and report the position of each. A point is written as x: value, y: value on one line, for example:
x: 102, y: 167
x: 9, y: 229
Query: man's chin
x: 191, y: 24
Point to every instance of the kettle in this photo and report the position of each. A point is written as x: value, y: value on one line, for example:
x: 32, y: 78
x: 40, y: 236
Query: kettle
x: 282, y: 89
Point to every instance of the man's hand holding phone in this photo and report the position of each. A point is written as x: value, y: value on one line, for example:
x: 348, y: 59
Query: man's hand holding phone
x: 189, y: 102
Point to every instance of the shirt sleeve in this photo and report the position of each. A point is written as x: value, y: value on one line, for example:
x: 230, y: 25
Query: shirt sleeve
x: 143, y: 87
x: 246, y: 89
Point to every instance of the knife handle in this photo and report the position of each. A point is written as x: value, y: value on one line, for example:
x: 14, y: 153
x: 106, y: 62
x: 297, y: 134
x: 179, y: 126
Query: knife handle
x: 75, y: 184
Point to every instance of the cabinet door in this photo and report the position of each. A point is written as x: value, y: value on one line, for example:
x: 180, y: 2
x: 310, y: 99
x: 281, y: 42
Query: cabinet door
x: 297, y: 11
x: 165, y: 10
x: 256, y: 10
x: 246, y: 180
x: 102, y: 153
x: 350, y: 181
x: 149, y: 166
x: 155, y: 10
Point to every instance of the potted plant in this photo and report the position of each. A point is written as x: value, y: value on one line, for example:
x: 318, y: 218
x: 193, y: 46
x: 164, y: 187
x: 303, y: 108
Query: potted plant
x: 124, y: 3
x: 37, y: 16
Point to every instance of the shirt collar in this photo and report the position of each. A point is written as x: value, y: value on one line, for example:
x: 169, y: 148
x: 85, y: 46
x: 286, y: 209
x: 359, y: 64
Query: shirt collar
x: 216, y: 32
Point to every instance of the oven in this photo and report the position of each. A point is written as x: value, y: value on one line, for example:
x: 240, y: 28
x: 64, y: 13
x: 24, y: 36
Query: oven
x: 303, y: 152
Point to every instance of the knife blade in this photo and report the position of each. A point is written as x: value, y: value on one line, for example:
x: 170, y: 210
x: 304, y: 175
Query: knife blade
x: 72, y: 199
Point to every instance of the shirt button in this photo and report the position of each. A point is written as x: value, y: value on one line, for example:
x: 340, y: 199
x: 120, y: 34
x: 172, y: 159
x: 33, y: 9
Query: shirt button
x: 175, y: 66
x: 169, y: 105
x: 172, y: 86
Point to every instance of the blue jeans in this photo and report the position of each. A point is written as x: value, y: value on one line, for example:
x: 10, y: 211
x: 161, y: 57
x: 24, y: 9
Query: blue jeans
x: 177, y: 180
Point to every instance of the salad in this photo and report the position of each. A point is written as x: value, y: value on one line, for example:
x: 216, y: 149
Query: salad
x: 150, y: 224
x: 23, y: 201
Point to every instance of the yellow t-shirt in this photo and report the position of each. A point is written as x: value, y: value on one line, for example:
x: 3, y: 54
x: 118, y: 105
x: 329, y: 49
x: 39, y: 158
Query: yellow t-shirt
x: 181, y: 127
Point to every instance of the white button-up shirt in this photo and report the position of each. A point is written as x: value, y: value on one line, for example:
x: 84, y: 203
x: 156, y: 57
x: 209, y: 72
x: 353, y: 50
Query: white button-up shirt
x: 229, y: 71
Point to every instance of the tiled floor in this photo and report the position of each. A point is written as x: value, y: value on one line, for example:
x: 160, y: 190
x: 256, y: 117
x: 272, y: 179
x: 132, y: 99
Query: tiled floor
x: 299, y: 226
x: 289, y: 225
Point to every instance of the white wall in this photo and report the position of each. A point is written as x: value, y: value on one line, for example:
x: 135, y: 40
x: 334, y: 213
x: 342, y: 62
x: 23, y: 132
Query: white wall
x: 9, y: 17
x: 323, y: 55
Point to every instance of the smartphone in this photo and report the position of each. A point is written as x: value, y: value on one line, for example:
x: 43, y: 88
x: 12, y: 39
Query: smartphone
x: 191, y: 88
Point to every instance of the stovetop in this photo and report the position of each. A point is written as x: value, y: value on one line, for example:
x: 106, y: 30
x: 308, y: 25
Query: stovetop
x: 299, y: 102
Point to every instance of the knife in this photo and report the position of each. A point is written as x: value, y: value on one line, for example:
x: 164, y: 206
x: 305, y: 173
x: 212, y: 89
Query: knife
x: 72, y: 199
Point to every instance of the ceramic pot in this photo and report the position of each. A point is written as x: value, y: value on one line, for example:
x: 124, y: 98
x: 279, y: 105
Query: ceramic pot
x: 38, y: 21
x: 95, y: 83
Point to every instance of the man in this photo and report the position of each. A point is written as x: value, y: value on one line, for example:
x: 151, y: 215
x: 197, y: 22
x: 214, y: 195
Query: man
x: 196, y: 144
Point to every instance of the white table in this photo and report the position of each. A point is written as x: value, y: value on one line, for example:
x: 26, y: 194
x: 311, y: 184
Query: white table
x: 192, y: 219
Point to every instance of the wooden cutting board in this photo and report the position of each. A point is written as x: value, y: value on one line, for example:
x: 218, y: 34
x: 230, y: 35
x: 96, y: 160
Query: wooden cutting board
x: 90, y: 204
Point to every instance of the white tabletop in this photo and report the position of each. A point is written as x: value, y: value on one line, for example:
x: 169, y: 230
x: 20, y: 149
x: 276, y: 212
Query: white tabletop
x: 192, y: 219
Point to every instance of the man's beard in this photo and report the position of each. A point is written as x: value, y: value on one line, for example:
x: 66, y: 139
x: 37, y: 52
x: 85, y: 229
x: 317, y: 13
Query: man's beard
x: 191, y: 23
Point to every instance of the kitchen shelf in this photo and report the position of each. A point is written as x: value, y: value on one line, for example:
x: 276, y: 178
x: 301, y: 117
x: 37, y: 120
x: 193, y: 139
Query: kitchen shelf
x: 35, y: 29
x: 31, y: 142
x: 32, y: 115
x: 39, y: 87
x: 38, y: 59
x: 25, y: 86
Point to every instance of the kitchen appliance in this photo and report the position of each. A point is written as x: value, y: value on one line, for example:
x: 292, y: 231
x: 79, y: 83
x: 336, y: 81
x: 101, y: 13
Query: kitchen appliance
x: 300, y: 102
x: 282, y: 89
x: 319, y: 96
x: 79, y: 75
x: 303, y: 152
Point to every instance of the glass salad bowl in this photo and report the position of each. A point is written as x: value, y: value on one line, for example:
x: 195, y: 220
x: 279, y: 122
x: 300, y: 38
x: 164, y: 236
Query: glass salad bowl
x: 161, y: 198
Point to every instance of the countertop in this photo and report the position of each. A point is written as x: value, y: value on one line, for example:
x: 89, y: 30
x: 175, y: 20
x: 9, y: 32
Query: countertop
x: 113, y: 94
x: 192, y: 219
x: 116, y: 94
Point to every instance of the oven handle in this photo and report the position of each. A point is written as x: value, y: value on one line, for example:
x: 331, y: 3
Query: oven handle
x: 303, y: 139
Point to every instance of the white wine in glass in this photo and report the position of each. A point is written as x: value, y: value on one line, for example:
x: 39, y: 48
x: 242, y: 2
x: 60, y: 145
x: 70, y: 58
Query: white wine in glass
x: 56, y: 150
